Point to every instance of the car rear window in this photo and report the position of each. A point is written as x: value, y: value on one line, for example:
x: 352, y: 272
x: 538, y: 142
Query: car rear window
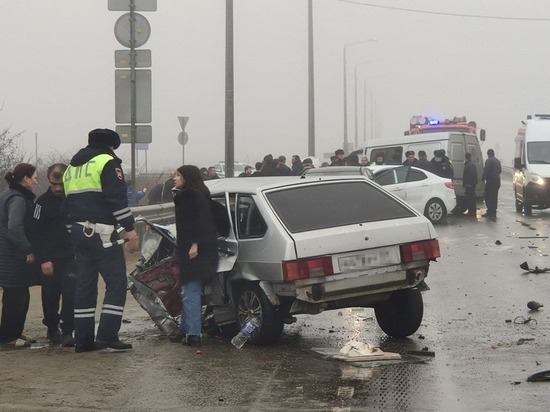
x: 332, y: 204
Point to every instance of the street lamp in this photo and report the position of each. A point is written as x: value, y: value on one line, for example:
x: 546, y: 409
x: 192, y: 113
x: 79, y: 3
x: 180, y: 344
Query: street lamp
x: 356, y: 104
x: 345, y: 87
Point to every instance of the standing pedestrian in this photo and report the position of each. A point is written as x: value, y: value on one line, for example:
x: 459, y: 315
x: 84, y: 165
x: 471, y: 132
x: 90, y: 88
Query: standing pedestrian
x: 197, y: 247
x: 16, y: 254
x: 469, y: 181
x: 95, y: 203
x: 442, y: 165
x: 54, y: 253
x: 282, y: 168
x: 491, y: 177
x: 410, y: 158
x: 338, y: 158
x: 297, y: 165
x: 423, y: 162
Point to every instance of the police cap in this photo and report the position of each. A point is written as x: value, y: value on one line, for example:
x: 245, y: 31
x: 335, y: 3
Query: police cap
x: 409, y: 153
x: 103, y: 137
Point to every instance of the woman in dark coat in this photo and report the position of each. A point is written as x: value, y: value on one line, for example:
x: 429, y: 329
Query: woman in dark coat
x: 197, y: 247
x: 16, y: 257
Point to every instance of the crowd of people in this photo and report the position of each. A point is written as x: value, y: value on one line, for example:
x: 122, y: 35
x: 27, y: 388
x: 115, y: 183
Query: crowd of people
x: 68, y: 237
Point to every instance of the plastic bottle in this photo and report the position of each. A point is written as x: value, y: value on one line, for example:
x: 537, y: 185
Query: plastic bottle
x: 250, y: 329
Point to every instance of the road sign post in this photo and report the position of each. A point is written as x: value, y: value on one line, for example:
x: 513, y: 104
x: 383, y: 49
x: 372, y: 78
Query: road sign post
x: 132, y: 30
x: 183, y: 137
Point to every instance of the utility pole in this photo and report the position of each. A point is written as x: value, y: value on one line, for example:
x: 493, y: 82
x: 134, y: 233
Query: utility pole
x: 229, y: 93
x: 311, y: 84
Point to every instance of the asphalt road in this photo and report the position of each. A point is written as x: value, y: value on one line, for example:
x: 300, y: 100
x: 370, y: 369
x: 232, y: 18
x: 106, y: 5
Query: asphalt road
x: 481, y: 363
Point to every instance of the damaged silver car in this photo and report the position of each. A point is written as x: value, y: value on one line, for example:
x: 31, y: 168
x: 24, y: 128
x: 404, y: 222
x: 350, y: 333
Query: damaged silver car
x: 301, y: 246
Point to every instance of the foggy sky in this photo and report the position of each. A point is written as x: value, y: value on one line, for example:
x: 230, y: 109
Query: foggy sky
x: 57, y: 72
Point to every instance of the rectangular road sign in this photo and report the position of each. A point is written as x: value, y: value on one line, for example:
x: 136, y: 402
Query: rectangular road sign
x: 123, y: 96
x: 144, y: 133
x: 122, y: 58
x: 140, y: 5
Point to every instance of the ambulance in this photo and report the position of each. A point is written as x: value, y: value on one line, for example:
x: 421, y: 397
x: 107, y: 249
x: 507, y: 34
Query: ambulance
x: 532, y: 164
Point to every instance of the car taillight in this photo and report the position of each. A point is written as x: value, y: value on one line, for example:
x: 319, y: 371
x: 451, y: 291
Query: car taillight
x: 428, y: 249
x: 307, y: 268
x: 450, y: 185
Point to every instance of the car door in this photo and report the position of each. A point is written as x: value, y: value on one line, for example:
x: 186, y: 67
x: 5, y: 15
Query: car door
x: 228, y: 247
x: 416, y: 186
x: 387, y: 178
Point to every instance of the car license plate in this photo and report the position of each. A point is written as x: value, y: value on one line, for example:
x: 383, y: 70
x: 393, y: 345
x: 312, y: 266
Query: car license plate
x: 370, y: 259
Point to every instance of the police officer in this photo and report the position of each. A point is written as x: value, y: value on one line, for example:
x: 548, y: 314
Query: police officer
x: 491, y: 178
x: 95, y: 203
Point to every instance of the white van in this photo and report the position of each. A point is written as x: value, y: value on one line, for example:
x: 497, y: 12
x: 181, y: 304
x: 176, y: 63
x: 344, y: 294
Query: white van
x: 455, y: 144
x: 532, y: 164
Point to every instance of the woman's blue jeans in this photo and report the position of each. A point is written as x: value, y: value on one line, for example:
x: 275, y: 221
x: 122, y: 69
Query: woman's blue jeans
x: 191, y: 298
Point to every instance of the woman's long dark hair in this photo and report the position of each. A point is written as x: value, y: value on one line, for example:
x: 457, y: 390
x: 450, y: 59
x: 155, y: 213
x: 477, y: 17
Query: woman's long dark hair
x: 19, y: 172
x: 193, y: 179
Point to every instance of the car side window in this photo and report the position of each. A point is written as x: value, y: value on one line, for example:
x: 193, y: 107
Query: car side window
x: 385, y: 177
x: 415, y: 176
x: 401, y: 174
x: 250, y: 222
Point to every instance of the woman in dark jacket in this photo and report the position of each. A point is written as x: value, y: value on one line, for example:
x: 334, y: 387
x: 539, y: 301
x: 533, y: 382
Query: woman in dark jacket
x: 16, y: 206
x: 197, y: 247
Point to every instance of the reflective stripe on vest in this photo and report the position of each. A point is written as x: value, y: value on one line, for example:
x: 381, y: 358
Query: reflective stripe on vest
x: 86, y: 177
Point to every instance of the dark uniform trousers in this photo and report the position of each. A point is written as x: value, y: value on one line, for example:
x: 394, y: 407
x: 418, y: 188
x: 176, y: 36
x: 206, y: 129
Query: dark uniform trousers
x: 60, y: 284
x: 491, y: 196
x: 470, y: 200
x: 92, y: 258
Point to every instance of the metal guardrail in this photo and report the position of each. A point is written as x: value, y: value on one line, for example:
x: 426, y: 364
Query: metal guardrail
x: 163, y: 213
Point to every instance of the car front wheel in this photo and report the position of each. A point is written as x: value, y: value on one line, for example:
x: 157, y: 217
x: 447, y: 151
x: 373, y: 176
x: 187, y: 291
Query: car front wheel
x: 435, y: 211
x: 400, y: 316
x: 251, y: 302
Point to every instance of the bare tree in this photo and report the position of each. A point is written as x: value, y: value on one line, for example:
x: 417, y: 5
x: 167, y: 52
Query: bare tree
x: 10, y: 149
x: 11, y: 152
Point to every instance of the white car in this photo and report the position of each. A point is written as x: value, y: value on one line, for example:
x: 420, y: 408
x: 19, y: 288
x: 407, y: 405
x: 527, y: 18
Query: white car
x: 428, y: 193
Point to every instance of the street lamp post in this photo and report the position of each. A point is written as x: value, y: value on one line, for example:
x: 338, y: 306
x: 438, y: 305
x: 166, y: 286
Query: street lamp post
x: 345, y: 87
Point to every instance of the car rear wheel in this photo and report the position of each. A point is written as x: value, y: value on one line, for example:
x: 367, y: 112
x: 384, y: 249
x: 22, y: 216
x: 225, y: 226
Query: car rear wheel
x: 400, y: 316
x: 435, y: 211
x: 251, y: 302
x: 527, y: 209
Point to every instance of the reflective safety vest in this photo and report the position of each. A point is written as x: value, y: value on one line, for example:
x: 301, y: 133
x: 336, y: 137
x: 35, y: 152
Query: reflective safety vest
x: 85, y: 177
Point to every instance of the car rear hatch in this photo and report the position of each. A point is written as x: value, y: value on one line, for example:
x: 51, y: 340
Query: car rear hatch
x: 353, y: 238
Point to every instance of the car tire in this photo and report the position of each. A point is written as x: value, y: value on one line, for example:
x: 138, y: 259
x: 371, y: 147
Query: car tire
x: 252, y: 301
x: 527, y: 209
x: 401, y: 315
x: 435, y: 211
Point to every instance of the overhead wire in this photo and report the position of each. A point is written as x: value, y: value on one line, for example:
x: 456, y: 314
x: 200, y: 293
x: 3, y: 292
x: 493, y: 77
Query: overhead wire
x: 474, y: 16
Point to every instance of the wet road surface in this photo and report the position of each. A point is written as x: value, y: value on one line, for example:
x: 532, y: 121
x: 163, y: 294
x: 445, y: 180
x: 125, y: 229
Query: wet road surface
x: 481, y: 363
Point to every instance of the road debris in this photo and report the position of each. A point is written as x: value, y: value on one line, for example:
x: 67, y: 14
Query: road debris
x: 533, y: 305
x: 526, y: 321
x: 357, y: 351
x: 526, y: 267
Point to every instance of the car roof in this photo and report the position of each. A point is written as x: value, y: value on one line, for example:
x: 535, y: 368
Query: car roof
x: 378, y: 168
x: 339, y: 169
x: 259, y: 184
